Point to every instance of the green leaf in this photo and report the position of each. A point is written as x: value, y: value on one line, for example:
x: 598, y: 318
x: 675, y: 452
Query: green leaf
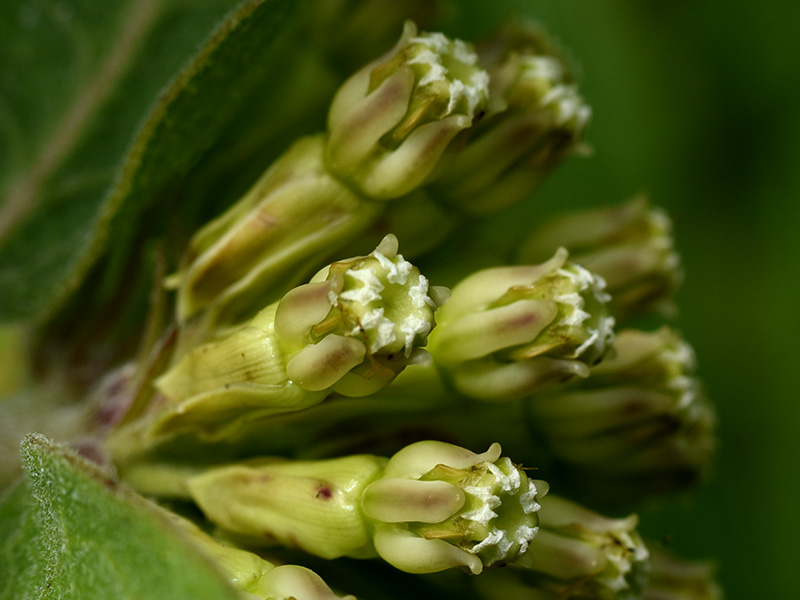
x: 73, y: 179
x: 68, y: 530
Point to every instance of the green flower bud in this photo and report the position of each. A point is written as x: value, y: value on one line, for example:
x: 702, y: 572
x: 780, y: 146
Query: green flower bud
x: 432, y: 506
x: 441, y: 506
x: 640, y: 415
x: 351, y: 330
x: 673, y: 578
x: 357, y: 324
x: 586, y: 553
x: 509, y: 331
x: 535, y: 120
x: 310, y: 505
x: 240, y: 376
x: 629, y: 246
x: 252, y: 575
x: 294, y: 212
x: 390, y: 122
x: 646, y: 375
x: 293, y: 582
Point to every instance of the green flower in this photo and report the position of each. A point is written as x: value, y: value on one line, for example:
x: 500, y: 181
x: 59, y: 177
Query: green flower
x: 294, y: 212
x: 535, y: 119
x: 640, y: 418
x: 590, y: 555
x: 507, y: 332
x: 487, y: 509
x: 390, y: 122
x: 431, y: 507
x: 629, y: 246
x: 351, y: 330
x: 357, y: 324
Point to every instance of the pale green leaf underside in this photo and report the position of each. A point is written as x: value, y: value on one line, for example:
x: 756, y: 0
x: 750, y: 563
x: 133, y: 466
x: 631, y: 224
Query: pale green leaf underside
x: 68, y: 531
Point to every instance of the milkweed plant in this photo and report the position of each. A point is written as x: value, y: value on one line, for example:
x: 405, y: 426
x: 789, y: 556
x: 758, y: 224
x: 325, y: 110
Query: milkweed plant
x: 323, y: 382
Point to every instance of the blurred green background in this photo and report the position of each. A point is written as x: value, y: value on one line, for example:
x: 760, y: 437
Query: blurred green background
x: 695, y: 104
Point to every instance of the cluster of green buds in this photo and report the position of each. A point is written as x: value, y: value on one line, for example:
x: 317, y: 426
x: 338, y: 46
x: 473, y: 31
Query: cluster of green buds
x: 388, y: 125
x: 534, y: 120
x: 431, y: 131
x: 629, y: 246
x: 390, y: 122
x: 430, y: 507
x: 508, y: 332
x: 640, y: 417
x: 351, y: 330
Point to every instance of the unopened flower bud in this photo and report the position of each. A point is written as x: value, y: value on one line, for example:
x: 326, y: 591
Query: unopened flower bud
x: 390, y: 122
x: 535, y: 120
x: 351, y: 330
x: 250, y: 574
x: 357, y: 324
x: 509, y: 331
x: 311, y: 505
x: 580, y: 550
x: 641, y: 415
x: 629, y: 246
x: 441, y: 506
x: 673, y: 578
x: 292, y: 213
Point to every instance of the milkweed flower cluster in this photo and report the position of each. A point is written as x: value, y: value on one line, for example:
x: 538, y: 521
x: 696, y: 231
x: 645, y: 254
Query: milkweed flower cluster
x: 307, y: 401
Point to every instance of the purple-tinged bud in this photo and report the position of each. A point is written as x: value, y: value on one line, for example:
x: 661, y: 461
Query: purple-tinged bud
x: 507, y: 332
x: 391, y: 121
